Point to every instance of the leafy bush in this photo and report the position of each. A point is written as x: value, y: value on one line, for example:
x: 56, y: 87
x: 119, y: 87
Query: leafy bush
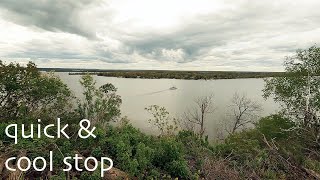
x: 25, y: 92
x: 161, y: 119
x: 275, y: 127
x: 178, y: 168
x: 90, y: 176
x: 100, y: 105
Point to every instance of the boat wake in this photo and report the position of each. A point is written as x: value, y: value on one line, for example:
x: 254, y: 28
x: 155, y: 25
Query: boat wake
x: 156, y: 92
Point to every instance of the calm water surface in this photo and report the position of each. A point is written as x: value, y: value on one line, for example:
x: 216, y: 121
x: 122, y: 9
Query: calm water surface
x: 137, y: 94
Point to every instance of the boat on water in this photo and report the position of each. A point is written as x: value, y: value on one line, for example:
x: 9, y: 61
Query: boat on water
x: 173, y: 88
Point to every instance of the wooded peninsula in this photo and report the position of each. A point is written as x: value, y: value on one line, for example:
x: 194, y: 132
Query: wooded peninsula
x: 166, y: 74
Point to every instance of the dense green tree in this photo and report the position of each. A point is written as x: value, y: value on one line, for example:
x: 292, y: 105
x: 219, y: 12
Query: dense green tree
x: 100, y: 105
x: 298, y: 91
x: 25, y: 92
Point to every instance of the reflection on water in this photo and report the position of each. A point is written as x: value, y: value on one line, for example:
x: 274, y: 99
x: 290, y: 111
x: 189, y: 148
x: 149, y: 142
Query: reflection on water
x: 137, y: 94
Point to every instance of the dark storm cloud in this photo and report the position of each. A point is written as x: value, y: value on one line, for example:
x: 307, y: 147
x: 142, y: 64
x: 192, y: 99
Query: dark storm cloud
x: 51, y: 15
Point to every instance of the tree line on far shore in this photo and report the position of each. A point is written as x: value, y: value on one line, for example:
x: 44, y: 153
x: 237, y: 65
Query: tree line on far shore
x: 194, y: 75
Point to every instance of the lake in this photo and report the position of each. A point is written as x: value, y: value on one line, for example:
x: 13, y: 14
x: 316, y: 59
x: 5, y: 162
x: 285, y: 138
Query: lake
x: 138, y: 94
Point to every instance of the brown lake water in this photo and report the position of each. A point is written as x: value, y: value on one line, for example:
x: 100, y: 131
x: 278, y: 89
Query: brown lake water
x: 138, y: 94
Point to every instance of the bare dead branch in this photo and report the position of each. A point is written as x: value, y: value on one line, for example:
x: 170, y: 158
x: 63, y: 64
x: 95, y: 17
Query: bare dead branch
x: 198, y: 114
x: 244, y: 111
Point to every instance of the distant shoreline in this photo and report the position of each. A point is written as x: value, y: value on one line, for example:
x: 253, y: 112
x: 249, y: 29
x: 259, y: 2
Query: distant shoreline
x: 168, y: 74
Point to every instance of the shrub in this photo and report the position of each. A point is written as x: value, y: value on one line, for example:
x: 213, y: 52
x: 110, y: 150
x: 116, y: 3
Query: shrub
x: 144, y: 156
x: 275, y: 127
x: 178, y: 168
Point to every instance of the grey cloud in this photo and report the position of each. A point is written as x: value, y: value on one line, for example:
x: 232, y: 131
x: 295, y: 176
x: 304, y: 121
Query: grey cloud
x: 50, y: 15
x: 251, y: 22
x: 55, y: 49
x: 251, y: 33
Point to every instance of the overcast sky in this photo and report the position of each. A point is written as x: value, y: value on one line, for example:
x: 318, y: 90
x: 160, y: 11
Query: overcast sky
x: 157, y: 34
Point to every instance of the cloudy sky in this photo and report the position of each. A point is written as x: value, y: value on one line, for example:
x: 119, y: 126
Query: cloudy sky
x: 246, y: 35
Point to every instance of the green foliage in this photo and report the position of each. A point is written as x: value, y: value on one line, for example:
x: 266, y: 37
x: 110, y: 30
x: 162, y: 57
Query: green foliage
x: 106, y: 88
x: 169, y: 155
x: 89, y: 176
x: 144, y: 156
x: 84, y: 144
x: 270, y: 149
x: 244, y: 145
x: 154, y: 174
x: 312, y: 164
x: 25, y: 92
x: 3, y: 136
x: 299, y: 94
x: 60, y: 176
x: 299, y: 90
x: 168, y: 150
x: 246, y: 152
x: 179, y: 168
x: 97, y: 152
x: 100, y: 105
x: 275, y: 127
x: 125, y: 145
x: 165, y: 124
